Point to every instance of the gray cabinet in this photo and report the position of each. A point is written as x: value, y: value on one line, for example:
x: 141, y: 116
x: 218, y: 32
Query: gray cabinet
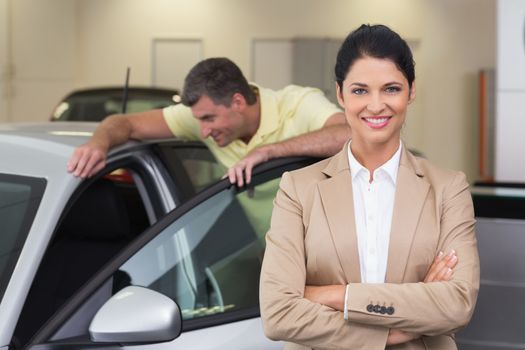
x: 313, y: 61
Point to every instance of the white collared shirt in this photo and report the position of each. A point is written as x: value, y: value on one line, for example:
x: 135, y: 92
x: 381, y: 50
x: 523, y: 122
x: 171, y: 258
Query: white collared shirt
x: 373, y: 207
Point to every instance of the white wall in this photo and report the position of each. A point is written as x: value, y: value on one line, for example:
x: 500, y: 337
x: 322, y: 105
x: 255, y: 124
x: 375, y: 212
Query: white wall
x: 43, y: 54
x: 227, y: 27
x: 510, y: 116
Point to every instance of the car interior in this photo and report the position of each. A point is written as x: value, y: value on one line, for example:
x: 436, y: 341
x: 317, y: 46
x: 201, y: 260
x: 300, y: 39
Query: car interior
x: 218, y: 262
x: 106, y: 217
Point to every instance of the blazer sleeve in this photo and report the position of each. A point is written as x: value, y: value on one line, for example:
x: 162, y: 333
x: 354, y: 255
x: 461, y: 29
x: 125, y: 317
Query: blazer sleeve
x: 285, y: 313
x: 430, y: 308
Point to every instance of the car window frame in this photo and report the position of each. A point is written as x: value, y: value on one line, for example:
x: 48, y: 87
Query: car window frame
x: 103, y: 276
x: 152, y: 202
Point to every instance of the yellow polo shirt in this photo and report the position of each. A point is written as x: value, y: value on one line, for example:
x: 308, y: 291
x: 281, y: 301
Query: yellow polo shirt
x: 285, y: 113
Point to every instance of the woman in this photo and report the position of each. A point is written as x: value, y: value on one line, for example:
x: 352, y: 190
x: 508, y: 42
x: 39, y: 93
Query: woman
x: 354, y: 256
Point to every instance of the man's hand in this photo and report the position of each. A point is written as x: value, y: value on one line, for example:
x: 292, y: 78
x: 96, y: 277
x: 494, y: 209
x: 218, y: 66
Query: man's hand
x: 241, y: 172
x: 87, y: 160
x: 115, y: 130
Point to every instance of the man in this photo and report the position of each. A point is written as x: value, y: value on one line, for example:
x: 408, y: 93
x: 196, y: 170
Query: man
x: 243, y: 125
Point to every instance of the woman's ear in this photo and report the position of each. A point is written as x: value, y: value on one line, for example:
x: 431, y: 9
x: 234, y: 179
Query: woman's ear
x: 412, y: 95
x: 339, y: 93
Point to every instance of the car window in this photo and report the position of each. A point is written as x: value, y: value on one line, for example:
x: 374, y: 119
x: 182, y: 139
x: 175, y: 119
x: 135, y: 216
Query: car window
x: 19, y: 200
x: 105, y: 217
x: 209, y: 260
x: 192, y: 166
x: 96, y: 105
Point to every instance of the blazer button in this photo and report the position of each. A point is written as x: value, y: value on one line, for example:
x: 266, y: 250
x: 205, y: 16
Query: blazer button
x: 390, y: 310
x: 370, y: 308
x: 377, y: 308
x: 383, y: 310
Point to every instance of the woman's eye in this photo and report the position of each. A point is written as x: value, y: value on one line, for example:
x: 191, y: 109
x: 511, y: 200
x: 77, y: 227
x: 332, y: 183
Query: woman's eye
x: 392, y: 89
x: 359, y: 91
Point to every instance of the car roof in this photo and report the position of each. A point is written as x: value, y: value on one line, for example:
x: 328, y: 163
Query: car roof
x: 42, y: 149
x: 39, y: 149
x: 118, y: 90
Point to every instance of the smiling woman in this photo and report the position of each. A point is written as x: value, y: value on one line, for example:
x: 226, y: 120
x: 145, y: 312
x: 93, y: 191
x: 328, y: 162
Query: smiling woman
x: 375, y: 96
x: 375, y: 92
x: 355, y: 255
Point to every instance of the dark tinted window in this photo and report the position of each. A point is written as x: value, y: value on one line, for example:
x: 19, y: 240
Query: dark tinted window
x: 104, y: 218
x: 19, y: 200
x: 192, y: 166
x: 499, y: 200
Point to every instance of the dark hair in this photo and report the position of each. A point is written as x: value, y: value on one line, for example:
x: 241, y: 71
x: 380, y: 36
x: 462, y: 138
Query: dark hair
x: 219, y: 79
x: 376, y: 41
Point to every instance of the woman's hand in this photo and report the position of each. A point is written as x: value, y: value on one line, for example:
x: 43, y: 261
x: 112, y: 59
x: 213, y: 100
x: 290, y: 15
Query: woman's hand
x: 396, y: 336
x: 332, y: 296
x: 442, y: 267
x: 441, y: 270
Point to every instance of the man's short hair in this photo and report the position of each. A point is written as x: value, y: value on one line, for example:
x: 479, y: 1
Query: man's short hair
x: 219, y: 79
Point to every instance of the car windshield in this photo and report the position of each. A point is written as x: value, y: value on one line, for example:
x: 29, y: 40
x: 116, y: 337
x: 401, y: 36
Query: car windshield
x: 96, y: 105
x: 19, y: 200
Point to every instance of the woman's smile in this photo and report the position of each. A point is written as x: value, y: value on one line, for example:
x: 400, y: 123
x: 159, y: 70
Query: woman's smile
x: 377, y: 122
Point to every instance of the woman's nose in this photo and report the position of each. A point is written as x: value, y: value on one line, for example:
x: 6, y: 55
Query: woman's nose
x: 376, y: 105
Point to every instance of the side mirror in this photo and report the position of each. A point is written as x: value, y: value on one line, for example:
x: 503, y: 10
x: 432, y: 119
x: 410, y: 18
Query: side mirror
x: 136, y: 315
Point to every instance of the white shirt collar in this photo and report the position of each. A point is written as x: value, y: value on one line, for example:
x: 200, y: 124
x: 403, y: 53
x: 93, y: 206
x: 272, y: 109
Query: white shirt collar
x: 391, y: 167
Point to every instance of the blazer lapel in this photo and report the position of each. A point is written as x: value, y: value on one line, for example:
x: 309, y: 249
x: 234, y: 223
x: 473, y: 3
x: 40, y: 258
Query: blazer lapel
x: 337, y: 200
x: 411, y: 191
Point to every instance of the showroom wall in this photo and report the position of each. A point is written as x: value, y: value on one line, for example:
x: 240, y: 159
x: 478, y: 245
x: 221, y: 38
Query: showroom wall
x: 91, y: 42
x: 4, y: 59
x: 38, y: 67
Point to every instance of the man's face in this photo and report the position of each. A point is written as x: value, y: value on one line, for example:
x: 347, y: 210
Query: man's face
x: 223, y: 124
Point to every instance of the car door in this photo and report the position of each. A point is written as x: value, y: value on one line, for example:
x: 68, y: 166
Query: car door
x: 102, y: 216
x: 205, y: 255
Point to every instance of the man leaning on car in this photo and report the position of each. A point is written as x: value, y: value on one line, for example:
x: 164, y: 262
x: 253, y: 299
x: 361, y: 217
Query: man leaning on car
x: 242, y: 124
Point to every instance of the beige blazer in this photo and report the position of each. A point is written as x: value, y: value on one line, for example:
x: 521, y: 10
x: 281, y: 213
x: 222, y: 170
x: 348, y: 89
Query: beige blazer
x: 312, y: 241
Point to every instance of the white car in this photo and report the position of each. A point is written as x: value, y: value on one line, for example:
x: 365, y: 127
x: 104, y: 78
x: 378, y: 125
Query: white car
x: 155, y: 252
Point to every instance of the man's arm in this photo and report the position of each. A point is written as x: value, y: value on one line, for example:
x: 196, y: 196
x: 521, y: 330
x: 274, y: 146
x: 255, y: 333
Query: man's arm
x: 115, y: 130
x: 324, y: 142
